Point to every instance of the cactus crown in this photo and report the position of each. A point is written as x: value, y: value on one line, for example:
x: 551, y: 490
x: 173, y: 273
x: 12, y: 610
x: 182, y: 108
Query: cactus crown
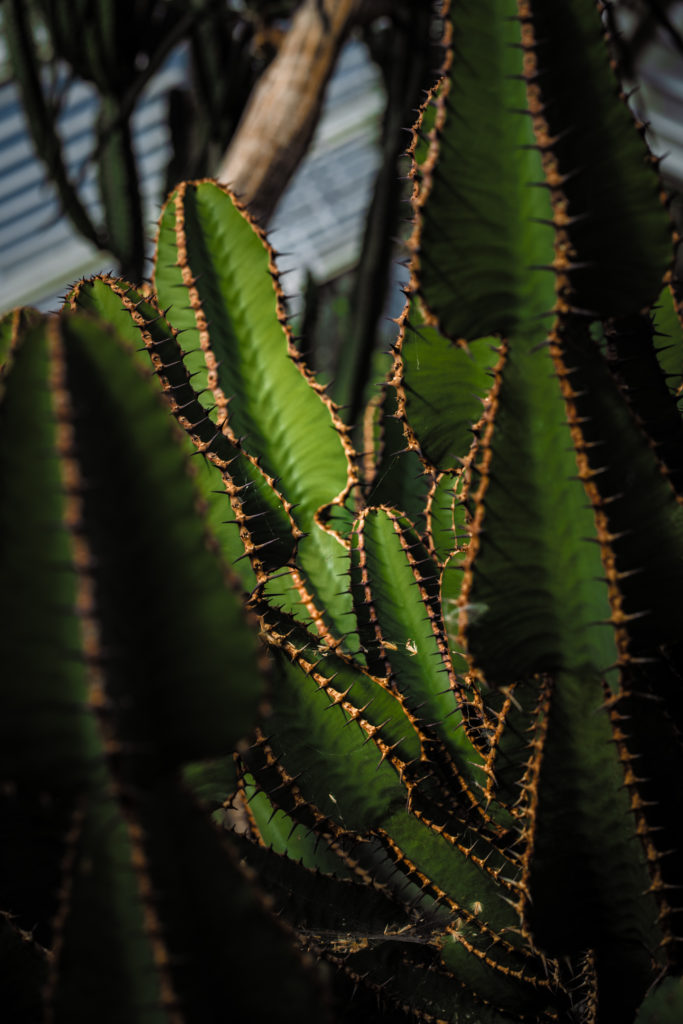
x: 464, y: 784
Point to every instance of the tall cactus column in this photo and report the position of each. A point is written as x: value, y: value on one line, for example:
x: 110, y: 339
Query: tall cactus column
x: 572, y: 572
x: 131, y: 659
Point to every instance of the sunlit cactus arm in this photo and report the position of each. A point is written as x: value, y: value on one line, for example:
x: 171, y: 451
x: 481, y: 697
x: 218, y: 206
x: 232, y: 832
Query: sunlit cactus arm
x: 396, y: 585
x: 406, y: 920
x: 303, y: 703
x: 316, y: 892
x: 318, y: 691
x: 446, y: 526
x: 254, y: 513
x: 453, y: 857
x: 530, y: 508
x: 441, y: 389
x: 222, y: 285
x: 479, y: 226
x: 391, y: 472
x: 269, y: 827
x: 486, y: 956
x: 217, y: 277
x: 477, y: 961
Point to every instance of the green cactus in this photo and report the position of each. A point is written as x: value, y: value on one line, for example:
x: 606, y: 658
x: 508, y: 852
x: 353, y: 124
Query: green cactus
x: 118, y: 625
x: 463, y: 786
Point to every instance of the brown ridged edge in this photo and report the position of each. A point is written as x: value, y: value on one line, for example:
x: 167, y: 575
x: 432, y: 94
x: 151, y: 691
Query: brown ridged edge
x: 484, y: 448
x: 122, y: 289
x: 435, y: 756
x: 529, y: 791
x: 565, y: 254
x: 221, y: 401
x: 470, y: 917
x: 653, y: 855
x: 204, y: 440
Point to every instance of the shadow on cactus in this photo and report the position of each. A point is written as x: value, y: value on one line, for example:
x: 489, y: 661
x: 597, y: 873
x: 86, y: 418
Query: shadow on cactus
x: 463, y: 787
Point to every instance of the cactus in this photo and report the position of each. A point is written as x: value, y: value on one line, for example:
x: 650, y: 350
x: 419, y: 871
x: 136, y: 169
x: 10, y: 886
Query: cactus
x: 118, y: 626
x: 463, y: 786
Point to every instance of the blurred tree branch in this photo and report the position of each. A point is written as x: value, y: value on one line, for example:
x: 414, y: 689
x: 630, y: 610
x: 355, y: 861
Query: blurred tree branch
x: 283, y: 110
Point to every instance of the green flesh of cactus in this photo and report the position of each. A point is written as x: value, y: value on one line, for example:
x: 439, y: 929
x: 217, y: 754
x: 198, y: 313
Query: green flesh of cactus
x: 118, y: 626
x: 464, y: 785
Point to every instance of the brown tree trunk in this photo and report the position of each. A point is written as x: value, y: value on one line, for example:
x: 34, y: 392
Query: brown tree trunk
x: 282, y: 112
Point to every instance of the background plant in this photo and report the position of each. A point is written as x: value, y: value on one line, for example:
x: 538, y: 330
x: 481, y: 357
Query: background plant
x: 51, y: 44
x: 464, y: 785
x: 228, y: 47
